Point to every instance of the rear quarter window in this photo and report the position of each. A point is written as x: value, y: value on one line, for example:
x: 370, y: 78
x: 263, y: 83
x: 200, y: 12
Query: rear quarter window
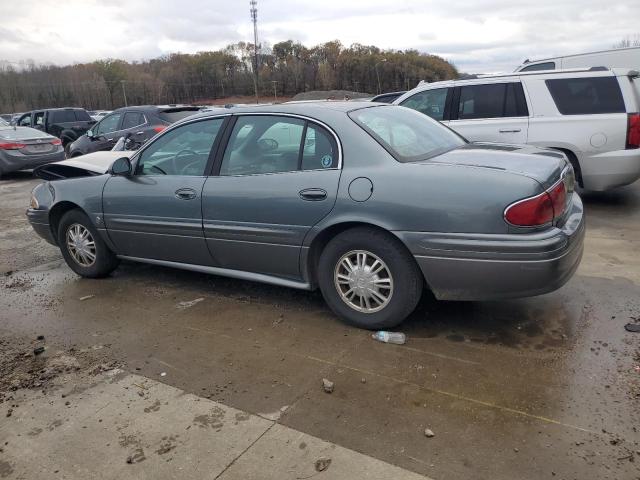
x: 63, y: 116
x: 83, y: 116
x: 581, y: 96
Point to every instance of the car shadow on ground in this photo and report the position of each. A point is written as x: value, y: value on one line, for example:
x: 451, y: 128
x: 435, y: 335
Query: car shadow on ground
x: 532, y: 324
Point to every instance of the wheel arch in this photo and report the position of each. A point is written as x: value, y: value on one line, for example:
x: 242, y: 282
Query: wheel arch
x: 573, y: 158
x: 56, y: 213
x: 322, y: 238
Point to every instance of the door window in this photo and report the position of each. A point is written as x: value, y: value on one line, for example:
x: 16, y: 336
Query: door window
x: 181, y: 151
x: 493, y: 100
x: 38, y: 118
x: 107, y: 125
x: 263, y: 144
x: 320, y: 150
x: 429, y: 102
x: 132, y: 119
x: 25, y: 121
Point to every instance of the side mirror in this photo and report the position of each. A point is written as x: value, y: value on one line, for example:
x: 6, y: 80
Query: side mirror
x: 121, y: 167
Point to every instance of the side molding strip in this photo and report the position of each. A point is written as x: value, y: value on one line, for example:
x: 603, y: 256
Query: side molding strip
x: 255, y: 277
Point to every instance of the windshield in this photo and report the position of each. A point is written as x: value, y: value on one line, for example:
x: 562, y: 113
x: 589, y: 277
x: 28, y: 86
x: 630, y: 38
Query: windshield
x: 409, y: 136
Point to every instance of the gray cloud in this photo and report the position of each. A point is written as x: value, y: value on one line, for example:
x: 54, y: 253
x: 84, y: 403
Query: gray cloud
x: 477, y: 36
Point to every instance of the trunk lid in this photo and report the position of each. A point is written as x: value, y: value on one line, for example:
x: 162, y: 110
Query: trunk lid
x: 543, y: 165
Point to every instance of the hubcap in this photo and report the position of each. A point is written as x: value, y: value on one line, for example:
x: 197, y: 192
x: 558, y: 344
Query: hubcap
x: 363, y: 281
x: 81, y: 245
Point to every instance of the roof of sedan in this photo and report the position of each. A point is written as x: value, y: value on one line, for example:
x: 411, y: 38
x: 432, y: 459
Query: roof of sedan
x: 300, y: 108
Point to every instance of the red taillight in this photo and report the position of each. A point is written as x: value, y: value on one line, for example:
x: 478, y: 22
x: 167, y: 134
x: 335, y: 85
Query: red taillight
x: 538, y: 210
x: 531, y: 212
x: 633, y: 130
x: 56, y: 141
x: 159, y: 128
x: 11, y: 146
x: 558, y: 196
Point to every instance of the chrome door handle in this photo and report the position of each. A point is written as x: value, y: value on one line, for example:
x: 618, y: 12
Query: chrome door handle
x: 313, y: 194
x: 186, y: 194
x: 515, y: 130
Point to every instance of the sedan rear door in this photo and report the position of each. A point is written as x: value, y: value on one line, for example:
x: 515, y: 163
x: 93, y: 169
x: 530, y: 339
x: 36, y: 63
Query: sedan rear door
x: 276, y: 179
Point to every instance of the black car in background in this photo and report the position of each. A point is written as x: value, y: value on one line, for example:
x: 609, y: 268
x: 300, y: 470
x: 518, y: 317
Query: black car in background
x: 67, y: 124
x: 140, y: 123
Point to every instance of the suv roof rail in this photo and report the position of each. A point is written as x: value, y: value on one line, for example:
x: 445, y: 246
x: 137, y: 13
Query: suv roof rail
x: 597, y: 69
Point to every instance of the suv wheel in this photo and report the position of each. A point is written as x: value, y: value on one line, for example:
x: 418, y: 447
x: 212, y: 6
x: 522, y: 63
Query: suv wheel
x: 369, y: 279
x: 82, y: 247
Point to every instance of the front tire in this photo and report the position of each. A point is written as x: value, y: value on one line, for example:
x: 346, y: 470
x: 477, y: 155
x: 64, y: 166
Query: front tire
x: 82, y: 247
x: 369, y: 279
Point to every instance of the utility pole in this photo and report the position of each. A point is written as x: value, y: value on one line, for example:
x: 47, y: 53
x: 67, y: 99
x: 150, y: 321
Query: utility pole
x: 124, y: 93
x: 275, y: 90
x: 254, y: 18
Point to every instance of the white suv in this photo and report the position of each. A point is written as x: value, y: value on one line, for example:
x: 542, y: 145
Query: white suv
x: 592, y: 115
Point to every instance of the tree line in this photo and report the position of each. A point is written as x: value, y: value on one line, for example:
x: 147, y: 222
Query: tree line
x: 284, y: 69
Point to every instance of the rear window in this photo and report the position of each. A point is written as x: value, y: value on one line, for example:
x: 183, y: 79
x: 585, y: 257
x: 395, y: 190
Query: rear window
x: 63, y: 116
x: 83, y: 116
x: 172, y: 116
x: 580, y: 96
x: 406, y: 134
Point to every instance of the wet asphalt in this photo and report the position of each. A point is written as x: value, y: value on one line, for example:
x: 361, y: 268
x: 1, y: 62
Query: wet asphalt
x: 535, y: 388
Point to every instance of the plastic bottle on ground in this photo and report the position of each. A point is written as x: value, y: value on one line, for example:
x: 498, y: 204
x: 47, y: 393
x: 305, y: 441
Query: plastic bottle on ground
x: 398, y: 338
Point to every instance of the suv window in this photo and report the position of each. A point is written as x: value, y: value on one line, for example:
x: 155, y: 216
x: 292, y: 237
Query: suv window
x: 63, y: 116
x: 181, y: 151
x: 38, y: 118
x: 406, y: 134
x: 263, y: 144
x: 539, y: 66
x: 83, y: 116
x: 25, y: 121
x: 429, y: 102
x: 493, y: 100
x: 579, y: 96
x: 132, y: 119
x: 108, y: 124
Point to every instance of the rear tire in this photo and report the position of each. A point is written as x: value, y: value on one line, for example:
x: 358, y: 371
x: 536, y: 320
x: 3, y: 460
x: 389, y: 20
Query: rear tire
x: 369, y: 279
x: 82, y: 247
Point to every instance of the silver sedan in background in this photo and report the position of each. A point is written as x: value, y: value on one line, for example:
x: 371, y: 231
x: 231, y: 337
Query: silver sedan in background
x: 24, y: 148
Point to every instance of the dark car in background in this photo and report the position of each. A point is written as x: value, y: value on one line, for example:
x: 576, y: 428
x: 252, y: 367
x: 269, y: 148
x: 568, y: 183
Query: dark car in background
x: 65, y: 123
x: 139, y: 123
x: 23, y: 148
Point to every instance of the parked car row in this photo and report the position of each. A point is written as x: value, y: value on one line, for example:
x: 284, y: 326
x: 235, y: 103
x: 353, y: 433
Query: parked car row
x: 370, y: 203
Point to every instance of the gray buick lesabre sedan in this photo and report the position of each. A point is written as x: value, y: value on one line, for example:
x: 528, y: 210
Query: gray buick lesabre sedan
x: 370, y: 203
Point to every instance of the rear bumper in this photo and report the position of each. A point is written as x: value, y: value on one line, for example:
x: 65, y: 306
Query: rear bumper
x: 489, y: 267
x: 39, y: 220
x: 610, y: 169
x: 14, y: 161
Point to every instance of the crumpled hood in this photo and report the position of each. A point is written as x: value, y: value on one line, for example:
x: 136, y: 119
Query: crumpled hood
x: 97, y: 163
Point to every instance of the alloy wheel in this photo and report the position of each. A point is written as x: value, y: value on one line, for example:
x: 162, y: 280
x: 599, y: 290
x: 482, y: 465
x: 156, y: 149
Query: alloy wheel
x: 363, y: 281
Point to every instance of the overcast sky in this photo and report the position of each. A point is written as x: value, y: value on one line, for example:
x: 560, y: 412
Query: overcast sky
x: 477, y: 36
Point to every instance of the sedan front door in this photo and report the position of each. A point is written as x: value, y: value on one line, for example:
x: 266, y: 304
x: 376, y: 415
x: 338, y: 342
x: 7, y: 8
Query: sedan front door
x: 156, y: 213
x: 278, y: 177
